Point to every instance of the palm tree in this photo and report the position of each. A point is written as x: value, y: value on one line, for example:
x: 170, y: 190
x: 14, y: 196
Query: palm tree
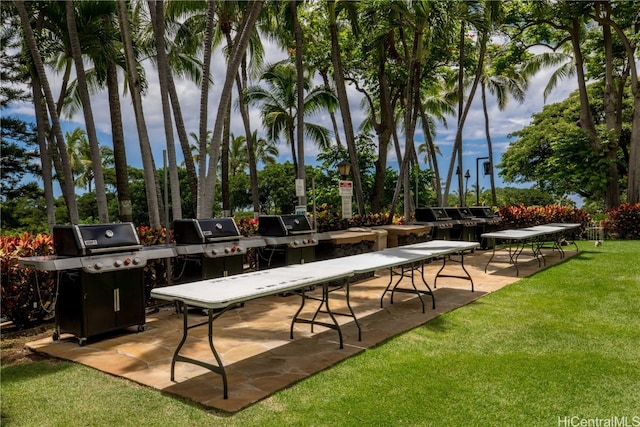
x: 156, y: 9
x: 80, y: 157
x: 244, y: 35
x: 279, y: 106
x: 98, y: 176
x: 148, y: 164
x: 38, y: 63
x: 338, y: 78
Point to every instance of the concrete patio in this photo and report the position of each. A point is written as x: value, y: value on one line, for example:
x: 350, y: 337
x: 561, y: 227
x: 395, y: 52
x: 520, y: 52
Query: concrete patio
x: 253, y: 340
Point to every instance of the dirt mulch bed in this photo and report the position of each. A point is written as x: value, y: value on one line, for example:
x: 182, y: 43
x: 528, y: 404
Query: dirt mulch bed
x: 12, y: 343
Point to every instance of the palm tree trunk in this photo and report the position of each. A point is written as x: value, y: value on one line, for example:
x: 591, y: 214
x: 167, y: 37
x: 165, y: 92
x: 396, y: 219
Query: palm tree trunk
x: 494, y: 199
x: 297, y: 31
x: 384, y: 131
x: 235, y: 58
x: 125, y: 207
x: 343, y: 100
x: 148, y: 165
x: 192, y: 176
x: 202, y: 209
x: 67, y: 187
x: 45, y: 152
x: 241, y: 83
x: 156, y: 9
x: 94, y: 145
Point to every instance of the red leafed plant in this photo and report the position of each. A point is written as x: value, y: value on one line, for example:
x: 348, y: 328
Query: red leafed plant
x: 27, y: 295
x: 624, y: 221
x: 527, y: 216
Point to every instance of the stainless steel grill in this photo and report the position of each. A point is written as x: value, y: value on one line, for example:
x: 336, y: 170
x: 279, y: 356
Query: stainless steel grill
x: 211, y: 248
x: 464, y: 223
x: 438, y: 219
x: 100, y: 277
x: 290, y: 239
x: 488, y: 221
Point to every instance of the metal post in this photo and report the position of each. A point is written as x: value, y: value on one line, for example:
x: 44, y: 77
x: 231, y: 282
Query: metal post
x: 478, y: 179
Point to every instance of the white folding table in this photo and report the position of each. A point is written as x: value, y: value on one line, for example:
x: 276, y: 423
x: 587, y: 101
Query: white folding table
x: 520, y: 238
x: 445, y: 249
x: 220, y: 294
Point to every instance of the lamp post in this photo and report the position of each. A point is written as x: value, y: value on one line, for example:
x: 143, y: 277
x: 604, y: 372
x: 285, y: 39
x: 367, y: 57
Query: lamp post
x: 344, y: 168
x: 459, y: 174
x: 467, y: 175
x: 478, y: 179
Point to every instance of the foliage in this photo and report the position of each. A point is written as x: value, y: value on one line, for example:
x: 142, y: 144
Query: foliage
x: 556, y: 154
x: 527, y: 216
x: 624, y: 221
x: 27, y: 294
x: 331, y: 220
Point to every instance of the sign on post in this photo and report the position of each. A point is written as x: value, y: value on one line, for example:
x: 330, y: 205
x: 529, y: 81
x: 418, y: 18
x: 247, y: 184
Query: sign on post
x: 346, y: 188
x: 346, y: 192
x: 300, y: 190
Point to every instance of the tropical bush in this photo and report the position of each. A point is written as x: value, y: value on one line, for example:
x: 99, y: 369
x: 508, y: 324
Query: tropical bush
x: 624, y: 221
x: 27, y: 295
x: 527, y: 216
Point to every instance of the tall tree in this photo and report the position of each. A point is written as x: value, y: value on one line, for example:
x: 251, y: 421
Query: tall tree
x: 67, y: 184
x: 279, y: 111
x: 240, y: 44
x: 156, y: 9
x: 94, y: 145
x: 347, y: 123
x: 148, y: 164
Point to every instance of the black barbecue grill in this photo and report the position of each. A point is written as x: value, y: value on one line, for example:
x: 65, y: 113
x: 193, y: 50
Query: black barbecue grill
x: 290, y: 239
x: 438, y: 219
x: 488, y: 221
x: 211, y: 248
x: 99, y: 277
x: 464, y: 224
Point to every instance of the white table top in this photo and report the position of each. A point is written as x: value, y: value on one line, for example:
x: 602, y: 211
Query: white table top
x: 224, y: 291
x: 441, y: 247
x: 372, y: 261
x: 520, y: 234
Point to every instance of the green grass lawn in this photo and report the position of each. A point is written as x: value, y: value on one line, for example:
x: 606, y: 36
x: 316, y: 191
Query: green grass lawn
x: 552, y: 349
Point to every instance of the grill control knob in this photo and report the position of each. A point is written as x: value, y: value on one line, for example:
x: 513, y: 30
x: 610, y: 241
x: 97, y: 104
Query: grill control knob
x: 233, y: 248
x: 214, y: 252
x: 98, y: 266
x: 117, y: 263
x: 296, y: 243
x: 239, y: 249
x: 127, y: 261
x: 137, y: 260
x: 227, y: 250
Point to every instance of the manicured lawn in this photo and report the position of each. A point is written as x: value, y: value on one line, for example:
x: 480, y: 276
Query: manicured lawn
x: 563, y: 344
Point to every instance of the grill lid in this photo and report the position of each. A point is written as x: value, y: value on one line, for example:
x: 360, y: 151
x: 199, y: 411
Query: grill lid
x: 189, y: 231
x: 87, y: 239
x: 432, y: 214
x: 482, y: 211
x: 283, y: 225
x: 459, y: 213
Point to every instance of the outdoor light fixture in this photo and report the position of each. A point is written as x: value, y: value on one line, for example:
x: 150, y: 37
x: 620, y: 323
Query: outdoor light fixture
x: 467, y: 175
x: 344, y: 168
x: 487, y: 170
